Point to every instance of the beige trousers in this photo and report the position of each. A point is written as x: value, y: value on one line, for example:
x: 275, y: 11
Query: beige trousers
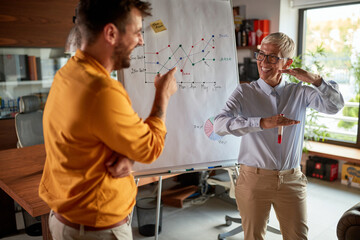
x: 259, y: 189
x: 60, y: 231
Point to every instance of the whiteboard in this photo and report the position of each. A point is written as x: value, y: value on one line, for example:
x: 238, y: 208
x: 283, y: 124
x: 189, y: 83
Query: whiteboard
x: 199, y: 40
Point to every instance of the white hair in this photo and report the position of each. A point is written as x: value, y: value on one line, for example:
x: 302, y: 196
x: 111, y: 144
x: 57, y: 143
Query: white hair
x: 285, y: 44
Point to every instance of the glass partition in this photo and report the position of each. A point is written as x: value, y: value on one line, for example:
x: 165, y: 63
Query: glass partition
x: 25, y: 71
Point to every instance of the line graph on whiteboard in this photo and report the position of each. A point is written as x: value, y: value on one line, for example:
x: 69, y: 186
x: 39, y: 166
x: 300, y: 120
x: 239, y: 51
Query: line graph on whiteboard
x: 196, y: 62
x: 161, y: 61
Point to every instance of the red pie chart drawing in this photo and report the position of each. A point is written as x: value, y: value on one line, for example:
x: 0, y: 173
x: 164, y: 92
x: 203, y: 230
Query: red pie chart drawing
x: 209, y: 130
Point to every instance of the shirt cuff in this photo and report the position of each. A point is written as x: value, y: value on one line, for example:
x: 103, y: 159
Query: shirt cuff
x: 254, y: 123
x: 322, y: 86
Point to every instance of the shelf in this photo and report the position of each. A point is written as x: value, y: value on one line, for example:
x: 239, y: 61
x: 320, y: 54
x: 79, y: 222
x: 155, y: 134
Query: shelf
x: 333, y: 151
x: 27, y: 71
x: 26, y: 83
x: 253, y: 48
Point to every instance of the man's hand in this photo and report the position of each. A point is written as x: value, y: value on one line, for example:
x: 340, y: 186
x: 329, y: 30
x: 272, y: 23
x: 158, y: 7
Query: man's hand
x: 303, y: 75
x: 276, y: 121
x: 118, y: 165
x: 165, y: 87
x: 166, y: 84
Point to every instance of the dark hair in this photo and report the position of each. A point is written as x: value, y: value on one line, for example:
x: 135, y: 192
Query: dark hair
x: 93, y: 15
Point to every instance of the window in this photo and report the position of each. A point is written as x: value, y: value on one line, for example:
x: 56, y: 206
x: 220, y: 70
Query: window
x: 335, y: 31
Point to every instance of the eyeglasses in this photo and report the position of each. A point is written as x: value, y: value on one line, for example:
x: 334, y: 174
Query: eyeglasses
x: 259, y: 56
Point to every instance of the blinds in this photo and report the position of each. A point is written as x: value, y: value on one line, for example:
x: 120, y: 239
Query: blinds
x: 317, y: 3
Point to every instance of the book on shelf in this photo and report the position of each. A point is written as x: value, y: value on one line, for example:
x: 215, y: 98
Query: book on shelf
x: 32, y: 68
x: 23, y: 67
x: 251, y: 32
x: 10, y: 71
x: 38, y: 68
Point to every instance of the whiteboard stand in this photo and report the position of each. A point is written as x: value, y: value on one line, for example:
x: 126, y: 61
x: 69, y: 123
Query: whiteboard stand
x: 158, y: 208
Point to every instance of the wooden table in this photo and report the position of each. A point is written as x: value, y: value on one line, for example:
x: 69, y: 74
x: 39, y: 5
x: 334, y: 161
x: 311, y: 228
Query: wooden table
x: 20, y: 174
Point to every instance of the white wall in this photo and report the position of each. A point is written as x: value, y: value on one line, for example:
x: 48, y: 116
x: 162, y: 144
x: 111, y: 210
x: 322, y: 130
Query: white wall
x: 289, y: 20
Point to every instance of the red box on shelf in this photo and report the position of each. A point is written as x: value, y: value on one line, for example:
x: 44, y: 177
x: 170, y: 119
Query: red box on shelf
x: 262, y: 28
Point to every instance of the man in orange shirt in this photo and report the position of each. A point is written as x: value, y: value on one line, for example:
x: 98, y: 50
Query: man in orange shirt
x: 91, y: 131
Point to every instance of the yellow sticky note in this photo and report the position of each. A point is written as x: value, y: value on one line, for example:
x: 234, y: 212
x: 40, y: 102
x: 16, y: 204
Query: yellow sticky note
x: 158, y: 26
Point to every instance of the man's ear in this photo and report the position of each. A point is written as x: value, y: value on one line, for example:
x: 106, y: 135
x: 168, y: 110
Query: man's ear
x: 111, y: 33
x: 288, y: 63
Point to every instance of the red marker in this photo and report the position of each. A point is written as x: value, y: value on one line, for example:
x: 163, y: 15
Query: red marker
x: 280, y: 132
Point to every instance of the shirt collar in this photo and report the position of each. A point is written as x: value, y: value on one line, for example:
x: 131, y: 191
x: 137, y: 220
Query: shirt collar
x: 269, y: 89
x: 82, y: 56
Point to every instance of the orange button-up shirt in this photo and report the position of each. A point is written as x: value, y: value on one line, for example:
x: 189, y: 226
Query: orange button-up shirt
x: 87, y: 117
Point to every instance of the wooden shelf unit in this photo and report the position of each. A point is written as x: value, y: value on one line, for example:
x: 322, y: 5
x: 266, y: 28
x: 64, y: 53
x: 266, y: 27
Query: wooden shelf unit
x: 332, y: 151
x: 253, y: 48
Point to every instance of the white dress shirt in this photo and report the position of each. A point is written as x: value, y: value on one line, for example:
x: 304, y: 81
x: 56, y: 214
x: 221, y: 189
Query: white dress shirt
x: 251, y: 102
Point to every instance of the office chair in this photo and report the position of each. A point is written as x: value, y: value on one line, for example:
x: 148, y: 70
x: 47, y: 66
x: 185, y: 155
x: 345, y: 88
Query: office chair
x: 227, y: 179
x: 28, y: 122
x: 348, y: 227
x: 29, y: 131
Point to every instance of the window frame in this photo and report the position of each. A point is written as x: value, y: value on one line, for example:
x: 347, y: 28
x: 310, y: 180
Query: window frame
x: 300, y: 40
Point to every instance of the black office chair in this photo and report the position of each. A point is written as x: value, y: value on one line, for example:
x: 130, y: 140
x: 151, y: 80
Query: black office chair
x: 227, y: 179
x: 29, y: 131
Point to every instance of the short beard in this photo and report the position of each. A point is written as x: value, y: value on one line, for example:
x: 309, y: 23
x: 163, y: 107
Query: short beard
x: 120, y: 57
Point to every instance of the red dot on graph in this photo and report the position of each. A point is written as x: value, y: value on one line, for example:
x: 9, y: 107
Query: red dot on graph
x: 168, y: 45
x: 192, y: 46
x: 157, y: 52
x: 181, y: 70
x: 202, y: 39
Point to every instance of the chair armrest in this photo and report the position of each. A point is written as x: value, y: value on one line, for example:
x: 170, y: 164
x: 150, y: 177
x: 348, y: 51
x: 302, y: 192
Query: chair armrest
x: 348, y: 227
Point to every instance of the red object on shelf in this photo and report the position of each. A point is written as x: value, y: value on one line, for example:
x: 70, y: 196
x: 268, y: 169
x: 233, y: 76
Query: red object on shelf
x: 262, y: 28
x: 322, y: 168
x: 252, y: 38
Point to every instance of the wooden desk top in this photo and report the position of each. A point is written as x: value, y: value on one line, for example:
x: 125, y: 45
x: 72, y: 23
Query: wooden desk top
x: 334, y: 151
x: 20, y: 174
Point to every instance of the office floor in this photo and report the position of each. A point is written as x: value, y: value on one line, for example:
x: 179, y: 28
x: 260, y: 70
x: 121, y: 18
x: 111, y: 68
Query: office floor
x: 203, y: 219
